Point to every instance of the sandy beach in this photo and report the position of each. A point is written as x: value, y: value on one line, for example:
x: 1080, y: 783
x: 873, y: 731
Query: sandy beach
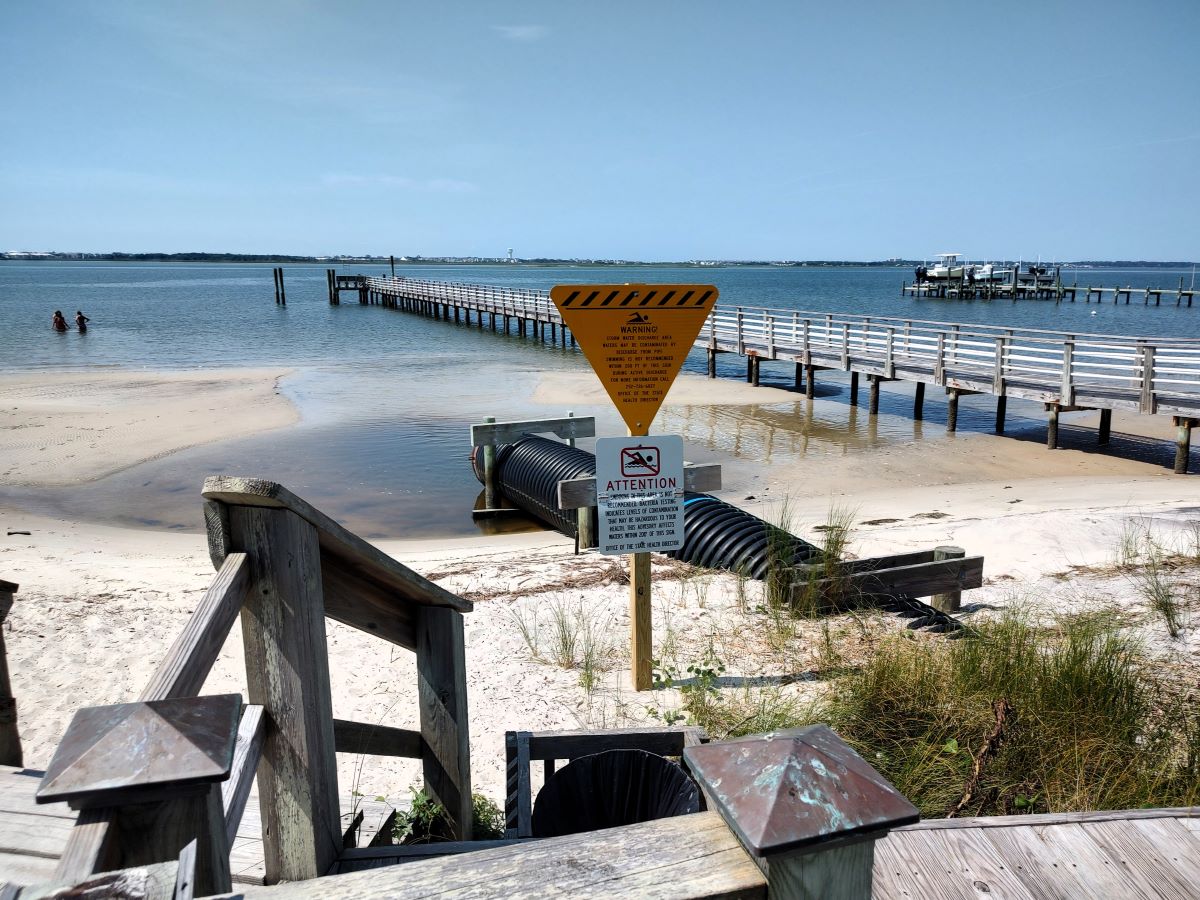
x: 98, y: 606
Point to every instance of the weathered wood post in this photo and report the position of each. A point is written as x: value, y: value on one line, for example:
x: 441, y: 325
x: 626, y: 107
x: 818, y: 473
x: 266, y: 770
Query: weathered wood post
x: 1105, y: 429
x: 1052, y: 410
x: 805, y: 806
x: 951, y: 600
x: 810, y: 382
x: 1183, y: 441
x: 1001, y: 409
x: 919, y: 401
x: 489, y: 470
x: 10, y: 738
x: 442, y: 695
x: 152, y: 772
x: 952, y: 409
x: 854, y: 389
x: 799, y: 376
x: 873, y: 395
x: 712, y: 362
x: 287, y: 673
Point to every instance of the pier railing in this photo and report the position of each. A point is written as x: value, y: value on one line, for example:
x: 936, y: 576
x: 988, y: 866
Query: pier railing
x: 1065, y: 368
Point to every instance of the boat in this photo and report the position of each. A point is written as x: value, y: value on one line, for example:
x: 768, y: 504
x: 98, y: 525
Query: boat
x: 949, y: 269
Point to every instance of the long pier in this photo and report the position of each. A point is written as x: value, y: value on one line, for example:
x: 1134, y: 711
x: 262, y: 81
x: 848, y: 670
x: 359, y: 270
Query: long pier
x: 1065, y: 371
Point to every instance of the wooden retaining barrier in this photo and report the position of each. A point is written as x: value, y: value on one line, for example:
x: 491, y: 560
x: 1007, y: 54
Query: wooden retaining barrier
x: 1065, y: 371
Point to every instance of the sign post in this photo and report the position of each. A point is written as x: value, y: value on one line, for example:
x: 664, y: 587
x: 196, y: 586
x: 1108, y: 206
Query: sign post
x: 636, y: 337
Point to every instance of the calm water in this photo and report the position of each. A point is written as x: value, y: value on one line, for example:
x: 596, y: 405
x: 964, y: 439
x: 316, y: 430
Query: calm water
x: 387, y: 398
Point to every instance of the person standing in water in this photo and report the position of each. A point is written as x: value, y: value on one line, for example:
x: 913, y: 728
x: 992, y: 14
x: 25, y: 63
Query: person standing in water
x: 81, y: 321
x: 58, y: 322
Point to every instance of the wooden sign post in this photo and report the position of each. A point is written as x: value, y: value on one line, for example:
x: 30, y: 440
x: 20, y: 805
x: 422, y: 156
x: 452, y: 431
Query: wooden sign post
x: 636, y: 337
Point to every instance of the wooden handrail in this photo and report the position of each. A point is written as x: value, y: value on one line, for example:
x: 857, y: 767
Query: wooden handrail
x: 191, y: 657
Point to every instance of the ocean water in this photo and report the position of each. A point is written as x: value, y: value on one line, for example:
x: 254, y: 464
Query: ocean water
x: 387, y: 398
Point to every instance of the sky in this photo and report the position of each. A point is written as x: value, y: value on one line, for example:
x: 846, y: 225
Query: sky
x: 610, y: 130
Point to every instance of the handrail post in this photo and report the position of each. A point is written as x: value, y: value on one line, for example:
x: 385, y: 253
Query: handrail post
x: 1148, y: 401
x: 287, y: 673
x: 10, y: 738
x: 151, y: 808
x: 805, y: 806
x: 1066, y: 390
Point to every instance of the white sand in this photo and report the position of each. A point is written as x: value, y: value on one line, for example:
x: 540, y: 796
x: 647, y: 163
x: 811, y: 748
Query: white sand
x: 71, y: 427
x: 99, y: 606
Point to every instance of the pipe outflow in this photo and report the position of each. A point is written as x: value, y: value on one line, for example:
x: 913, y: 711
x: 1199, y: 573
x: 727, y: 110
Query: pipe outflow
x: 715, y: 534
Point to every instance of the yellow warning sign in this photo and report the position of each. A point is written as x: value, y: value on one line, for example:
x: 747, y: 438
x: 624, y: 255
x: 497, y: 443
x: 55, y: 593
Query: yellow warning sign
x: 636, y: 337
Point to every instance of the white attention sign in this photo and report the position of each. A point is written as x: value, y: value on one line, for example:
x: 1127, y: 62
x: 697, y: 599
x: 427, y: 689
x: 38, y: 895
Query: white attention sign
x: 639, y: 494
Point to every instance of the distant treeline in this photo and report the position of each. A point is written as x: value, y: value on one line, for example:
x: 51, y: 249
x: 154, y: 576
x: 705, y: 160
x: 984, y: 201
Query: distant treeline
x: 544, y: 261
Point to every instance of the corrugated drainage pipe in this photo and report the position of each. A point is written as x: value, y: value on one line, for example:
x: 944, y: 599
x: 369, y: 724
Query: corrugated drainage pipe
x: 715, y: 534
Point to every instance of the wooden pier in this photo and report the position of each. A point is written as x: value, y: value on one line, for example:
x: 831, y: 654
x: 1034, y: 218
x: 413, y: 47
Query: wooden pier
x: 1064, y: 371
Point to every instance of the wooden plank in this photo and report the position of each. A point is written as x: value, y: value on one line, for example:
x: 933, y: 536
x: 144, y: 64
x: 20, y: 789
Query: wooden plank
x: 1059, y: 818
x: 90, y: 848
x: 442, y: 696
x: 246, y: 755
x: 10, y: 738
x: 195, y: 650
x: 150, y: 882
x: 507, y: 432
x: 29, y: 834
x: 1160, y: 855
x: 367, y: 605
x: 287, y: 672
x: 358, y: 556
x: 19, y: 869
x: 870, y: 564
x: 577, y: 493
x: 572, y: 744
x: 1055, y: 861
x: 376, y: 740
x: 362, y: 858
x: 920, y: 580
x: 683, y: 857
x: 963, y: 864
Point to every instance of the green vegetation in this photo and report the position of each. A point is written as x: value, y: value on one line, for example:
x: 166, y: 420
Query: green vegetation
x: 426, y: 821
x: 1010, y: 718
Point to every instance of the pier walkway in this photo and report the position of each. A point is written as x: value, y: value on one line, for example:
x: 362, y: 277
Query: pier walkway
x: 1065, y: 371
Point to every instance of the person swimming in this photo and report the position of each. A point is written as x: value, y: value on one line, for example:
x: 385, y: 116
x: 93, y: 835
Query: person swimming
x: 58, y: 322
x: 81, y: 321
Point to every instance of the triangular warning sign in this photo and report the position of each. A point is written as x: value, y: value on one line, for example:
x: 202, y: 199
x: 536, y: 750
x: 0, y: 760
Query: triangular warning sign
x: 636, y: 337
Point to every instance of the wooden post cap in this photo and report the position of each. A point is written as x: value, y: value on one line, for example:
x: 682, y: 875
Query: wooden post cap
x: 137, y: 752
x: 796, y: 789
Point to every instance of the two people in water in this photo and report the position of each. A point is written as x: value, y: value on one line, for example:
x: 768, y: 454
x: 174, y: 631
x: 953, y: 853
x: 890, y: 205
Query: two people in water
x: 58, y: 323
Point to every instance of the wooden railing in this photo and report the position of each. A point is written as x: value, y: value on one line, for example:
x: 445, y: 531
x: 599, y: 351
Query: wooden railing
x: 1066, y: 368
x: 283, y: 567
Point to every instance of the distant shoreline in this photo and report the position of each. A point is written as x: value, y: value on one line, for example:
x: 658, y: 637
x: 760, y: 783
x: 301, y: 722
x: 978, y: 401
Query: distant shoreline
x: 31, y: 256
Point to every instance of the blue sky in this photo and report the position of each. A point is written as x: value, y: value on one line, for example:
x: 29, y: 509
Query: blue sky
x: 639, y: 130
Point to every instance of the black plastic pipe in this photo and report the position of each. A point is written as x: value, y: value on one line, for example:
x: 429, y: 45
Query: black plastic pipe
x: 715, y: 534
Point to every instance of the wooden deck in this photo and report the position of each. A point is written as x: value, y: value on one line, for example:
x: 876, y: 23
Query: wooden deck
x: 32, y: 835
x: 1146, y: 853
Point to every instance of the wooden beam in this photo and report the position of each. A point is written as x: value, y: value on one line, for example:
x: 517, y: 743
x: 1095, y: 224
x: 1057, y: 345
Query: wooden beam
x: 357, y: 555
x: 571, y: 744
x: 10, y: 737
x: 578, y: 493
x: 367, y: 605
x: 246, y: 755
x: 492, y: 433
x: 919, y: 580
x: 376, y: 740
x: 671, y: 859
x: 442, y: 696
x: 287, y: 672
x: 191, y: 657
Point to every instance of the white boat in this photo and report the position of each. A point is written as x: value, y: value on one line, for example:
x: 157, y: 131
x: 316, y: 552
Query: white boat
x: 949, y: 269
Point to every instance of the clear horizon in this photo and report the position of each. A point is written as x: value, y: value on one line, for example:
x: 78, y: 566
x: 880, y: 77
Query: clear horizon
x: 765, y: 131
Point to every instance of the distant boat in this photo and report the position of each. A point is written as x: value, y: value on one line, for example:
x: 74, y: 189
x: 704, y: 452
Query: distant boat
x: 949, y: 269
